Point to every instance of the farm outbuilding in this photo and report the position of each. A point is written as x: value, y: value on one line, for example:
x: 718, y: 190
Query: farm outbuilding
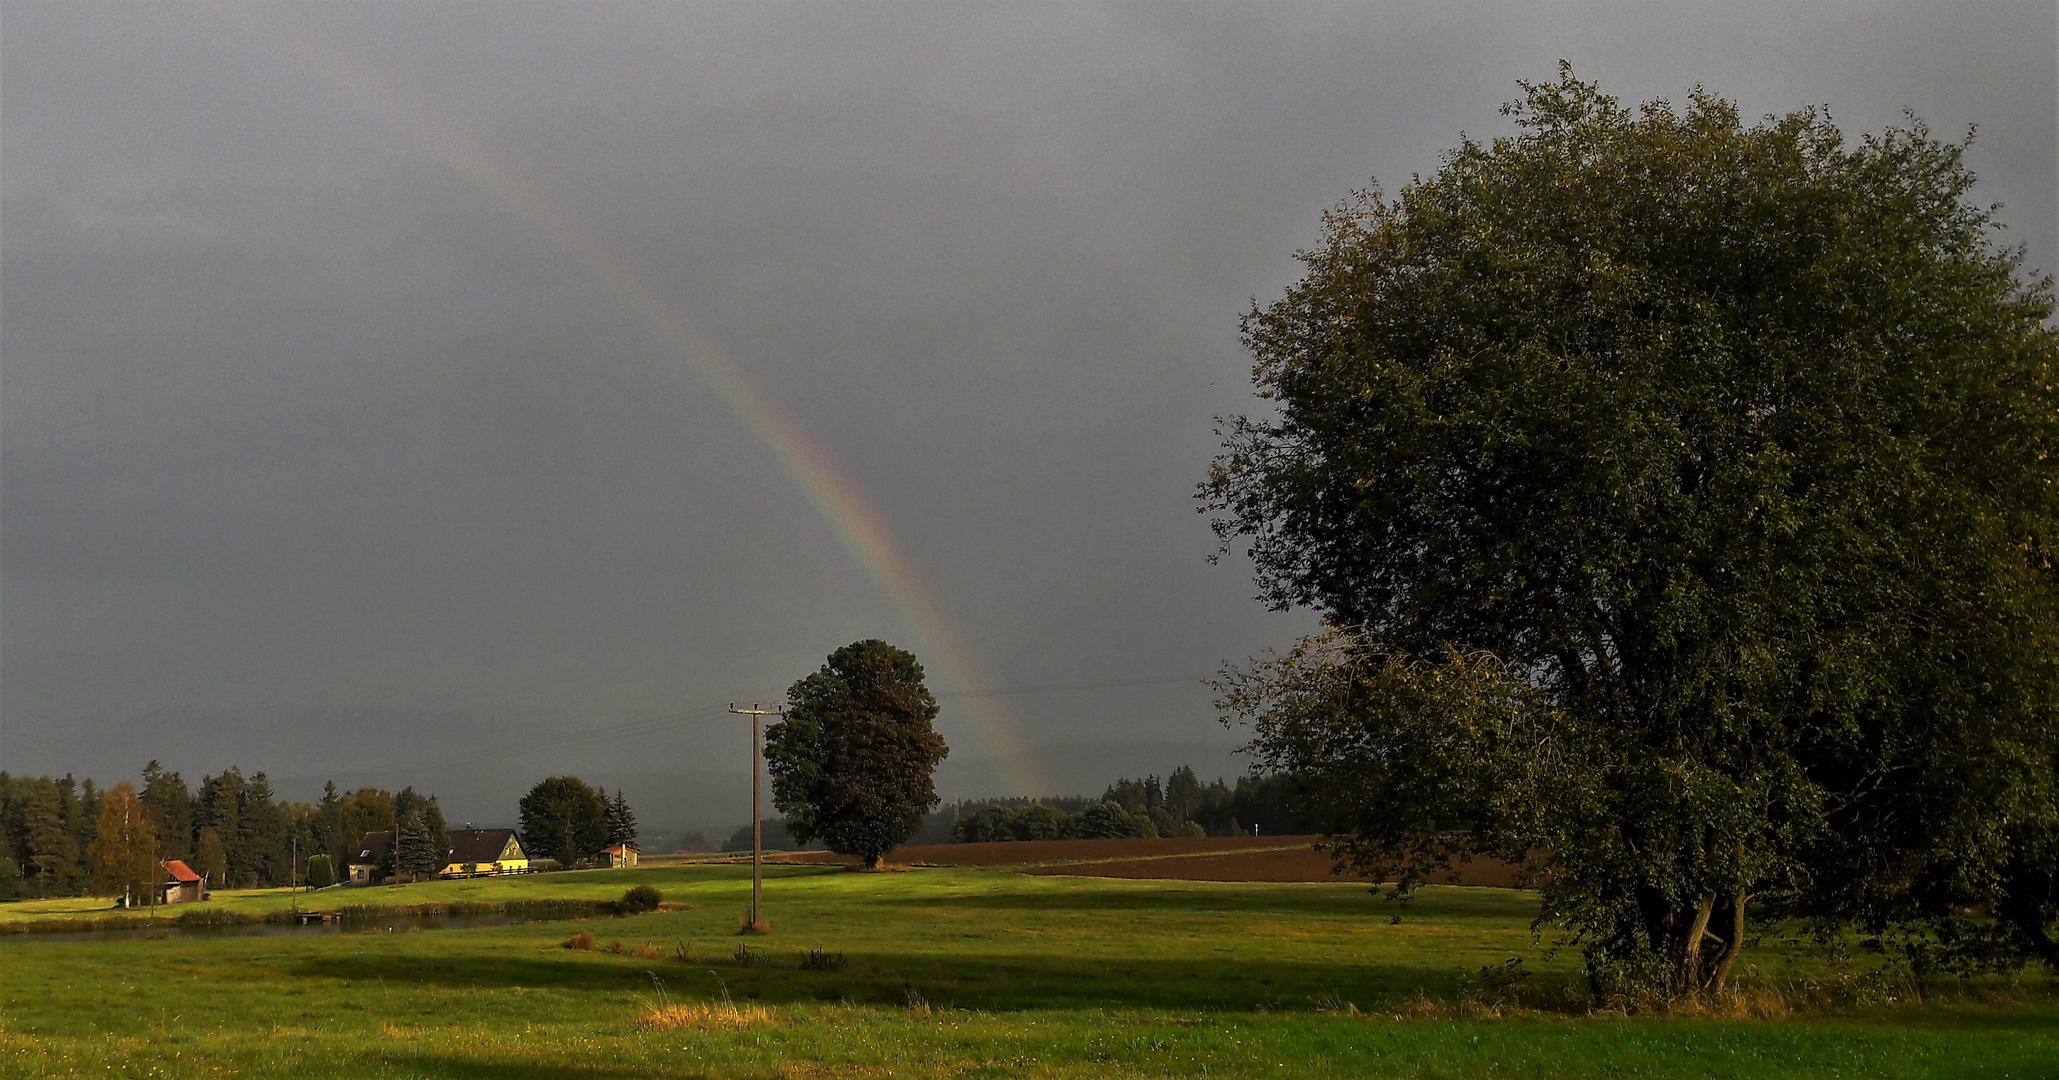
x: 619, y: 855
x: 181, y: 884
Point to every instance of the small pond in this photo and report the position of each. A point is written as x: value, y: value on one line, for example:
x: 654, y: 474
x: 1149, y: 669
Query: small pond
x: 369, y: 924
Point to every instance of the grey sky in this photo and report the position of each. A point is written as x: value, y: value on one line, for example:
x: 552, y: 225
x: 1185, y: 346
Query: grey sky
x: 318, y: 457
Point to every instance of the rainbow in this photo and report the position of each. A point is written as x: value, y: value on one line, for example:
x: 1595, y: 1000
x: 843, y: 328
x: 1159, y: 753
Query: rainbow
x: 827, y: 489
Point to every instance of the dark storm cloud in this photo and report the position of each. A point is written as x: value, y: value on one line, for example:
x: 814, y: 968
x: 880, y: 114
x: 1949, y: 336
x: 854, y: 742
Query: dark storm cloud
x: 322, y: 458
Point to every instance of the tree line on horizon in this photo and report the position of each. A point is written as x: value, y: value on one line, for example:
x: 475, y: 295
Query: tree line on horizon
x: 234, y: 832
x: 231, y: 829
x: 1180, y: 805
x: 1184, y: 807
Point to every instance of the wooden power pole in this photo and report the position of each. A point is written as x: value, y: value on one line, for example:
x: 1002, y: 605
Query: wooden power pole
x: 757, y: 713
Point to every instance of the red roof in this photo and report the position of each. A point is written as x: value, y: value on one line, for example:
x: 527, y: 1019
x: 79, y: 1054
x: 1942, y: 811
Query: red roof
x: 181, y: 872
x: 617, y: 849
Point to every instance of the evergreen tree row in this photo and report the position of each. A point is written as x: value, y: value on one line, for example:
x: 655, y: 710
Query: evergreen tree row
x: 1180, y: 805
x: 231, y: 829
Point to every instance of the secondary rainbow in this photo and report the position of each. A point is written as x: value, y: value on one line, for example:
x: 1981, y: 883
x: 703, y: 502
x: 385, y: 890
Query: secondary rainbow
x: 831, y: 493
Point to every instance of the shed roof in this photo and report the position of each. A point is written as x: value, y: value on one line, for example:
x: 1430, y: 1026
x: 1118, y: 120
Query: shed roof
x: 180, y: 872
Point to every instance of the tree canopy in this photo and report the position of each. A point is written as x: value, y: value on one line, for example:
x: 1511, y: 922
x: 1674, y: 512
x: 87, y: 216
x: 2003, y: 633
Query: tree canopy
x: 566, y: 818
x: 124, y: 849
x: 1681, y: 492
x: 853, y: 762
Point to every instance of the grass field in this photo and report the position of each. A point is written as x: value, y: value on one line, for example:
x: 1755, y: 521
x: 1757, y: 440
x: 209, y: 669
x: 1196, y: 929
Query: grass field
x: 980, y: 972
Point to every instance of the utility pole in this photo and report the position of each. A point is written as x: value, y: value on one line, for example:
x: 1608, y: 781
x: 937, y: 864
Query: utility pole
x: 757, y: 712
x: 293, y: 872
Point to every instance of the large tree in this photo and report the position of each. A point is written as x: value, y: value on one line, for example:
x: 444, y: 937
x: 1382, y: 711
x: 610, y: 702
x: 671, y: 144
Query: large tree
x: 854, y: 760
x: 125, y: 847
x: 1694, y: 480
x: 565, y: 818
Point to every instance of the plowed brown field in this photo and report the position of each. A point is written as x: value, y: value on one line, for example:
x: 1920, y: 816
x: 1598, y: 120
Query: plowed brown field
x: 1281, y: 864
x: 1199, y: 858
x: 1029, y: 852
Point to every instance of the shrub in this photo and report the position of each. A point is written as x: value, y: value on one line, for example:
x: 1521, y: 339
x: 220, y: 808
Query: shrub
x: 819, y: 960
x: 639, y: 899
x: 321, y: 872
x: 581, y: 942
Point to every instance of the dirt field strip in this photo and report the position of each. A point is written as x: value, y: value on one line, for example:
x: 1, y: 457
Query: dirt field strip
x: 1184, y: 858
x: 1297, y: 864
x: 1039, y: 852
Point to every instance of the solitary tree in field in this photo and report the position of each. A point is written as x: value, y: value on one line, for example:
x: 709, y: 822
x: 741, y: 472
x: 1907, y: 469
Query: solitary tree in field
x: 1684, y: 495
x: 124, y: 849
x: 853, y: 761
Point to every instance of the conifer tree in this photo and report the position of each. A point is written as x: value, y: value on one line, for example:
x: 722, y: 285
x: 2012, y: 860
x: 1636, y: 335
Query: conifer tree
x: 414, y: 855
x: 48, y: 850
x: 436, y: 834
x: 621, y: 822
x: 165, y: 793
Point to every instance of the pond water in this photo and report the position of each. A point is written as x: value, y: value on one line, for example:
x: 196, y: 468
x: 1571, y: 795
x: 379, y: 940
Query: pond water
x: 382, y: 924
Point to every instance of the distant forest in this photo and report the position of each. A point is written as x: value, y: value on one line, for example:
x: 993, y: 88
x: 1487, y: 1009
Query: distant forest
x: 1179, y: 805
x: 235, y: 832
x: 230, y: 829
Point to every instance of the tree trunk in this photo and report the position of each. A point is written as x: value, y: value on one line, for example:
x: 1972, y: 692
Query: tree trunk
x: 1685, y: 949
x: 871, y: 861
x: 1733, y: 942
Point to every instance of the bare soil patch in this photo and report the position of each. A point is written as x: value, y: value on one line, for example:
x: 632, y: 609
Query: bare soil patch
x: 1183, y: 858
x: 1032, y: 852
x: 1282, y: 864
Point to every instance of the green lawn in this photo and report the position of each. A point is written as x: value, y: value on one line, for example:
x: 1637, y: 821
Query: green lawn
x: 947, y: 972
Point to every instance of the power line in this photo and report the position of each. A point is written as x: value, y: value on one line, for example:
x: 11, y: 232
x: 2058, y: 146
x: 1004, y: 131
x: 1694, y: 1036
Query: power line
x: 1050, y: 688
x: 645, y: 726
x: 651, y: 725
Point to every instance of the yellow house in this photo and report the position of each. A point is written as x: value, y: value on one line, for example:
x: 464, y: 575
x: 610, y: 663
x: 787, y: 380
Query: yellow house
x: 485, y: 851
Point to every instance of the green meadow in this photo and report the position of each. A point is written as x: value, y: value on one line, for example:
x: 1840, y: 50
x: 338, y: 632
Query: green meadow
x: 949, y: 972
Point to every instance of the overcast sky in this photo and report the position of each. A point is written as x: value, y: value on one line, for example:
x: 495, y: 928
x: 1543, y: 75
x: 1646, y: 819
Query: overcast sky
x: 342, y: 432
